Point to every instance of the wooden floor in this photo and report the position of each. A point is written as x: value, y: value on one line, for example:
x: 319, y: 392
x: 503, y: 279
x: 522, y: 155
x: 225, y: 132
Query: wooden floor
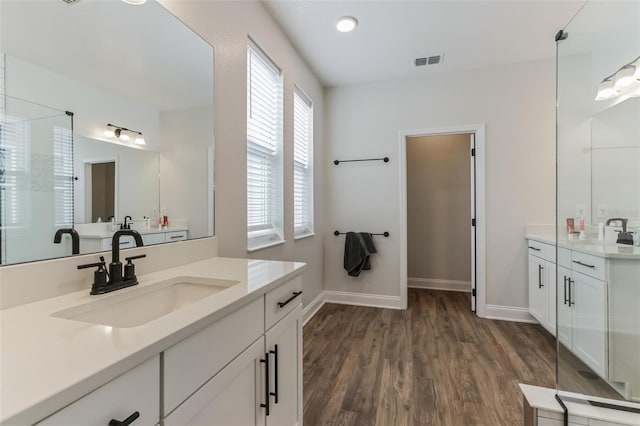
x: 434, y: 364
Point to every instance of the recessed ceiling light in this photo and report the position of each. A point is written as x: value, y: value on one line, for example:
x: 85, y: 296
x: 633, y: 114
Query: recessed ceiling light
x: 135, y: 2
x: 346, y: 24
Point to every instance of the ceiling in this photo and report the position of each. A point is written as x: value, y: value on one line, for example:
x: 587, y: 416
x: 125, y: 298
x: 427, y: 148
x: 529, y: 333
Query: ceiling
x: 392, y: 33
x: 142, y: 53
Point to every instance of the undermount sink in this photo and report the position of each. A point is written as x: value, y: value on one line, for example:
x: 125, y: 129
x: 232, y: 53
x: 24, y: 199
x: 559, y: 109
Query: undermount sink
x: 145, y: 304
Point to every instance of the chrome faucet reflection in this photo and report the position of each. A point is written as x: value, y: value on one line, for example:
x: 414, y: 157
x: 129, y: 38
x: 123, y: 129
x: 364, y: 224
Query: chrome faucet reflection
x: 75, y: 238
x: 105, y: 282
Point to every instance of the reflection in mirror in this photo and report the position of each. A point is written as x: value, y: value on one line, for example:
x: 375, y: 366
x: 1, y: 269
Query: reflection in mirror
x: 154, y: 82
x: 598, y: 142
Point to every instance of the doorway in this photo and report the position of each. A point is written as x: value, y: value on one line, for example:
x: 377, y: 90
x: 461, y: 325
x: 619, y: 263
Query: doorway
x: 445, y: 228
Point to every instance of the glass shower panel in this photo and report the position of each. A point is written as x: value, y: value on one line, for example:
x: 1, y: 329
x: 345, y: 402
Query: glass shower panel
x: 598, y: 184
x: 36, y: 181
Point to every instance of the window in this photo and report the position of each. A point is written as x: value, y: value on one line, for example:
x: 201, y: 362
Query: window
x: 63, y: 176
x: 14, y: 145
x: 264, y: 150
x: 302, y: 164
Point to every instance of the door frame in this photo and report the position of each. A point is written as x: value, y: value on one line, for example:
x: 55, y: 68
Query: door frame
x: 478, y: 251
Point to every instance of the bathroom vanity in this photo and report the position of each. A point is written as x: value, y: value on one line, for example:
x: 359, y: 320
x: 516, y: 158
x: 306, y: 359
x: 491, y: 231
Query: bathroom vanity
x: 216, y: 341
x: 596, y: 289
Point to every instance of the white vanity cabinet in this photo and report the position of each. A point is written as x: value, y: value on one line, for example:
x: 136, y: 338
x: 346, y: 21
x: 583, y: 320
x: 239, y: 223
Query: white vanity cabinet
x: 582, y: 308
x: 245, y: 369
x: 134, y: 391
x: 542, y: 284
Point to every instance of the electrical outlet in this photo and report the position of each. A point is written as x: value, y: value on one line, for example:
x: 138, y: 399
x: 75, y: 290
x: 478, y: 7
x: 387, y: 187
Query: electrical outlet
x: 581, y: 210
x: 603, y: 210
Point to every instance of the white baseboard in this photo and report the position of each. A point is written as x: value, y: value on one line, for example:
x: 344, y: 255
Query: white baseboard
x: 508, y: 313
x: 363, y: 299
x: 312, y: 308
x: 438, y: 284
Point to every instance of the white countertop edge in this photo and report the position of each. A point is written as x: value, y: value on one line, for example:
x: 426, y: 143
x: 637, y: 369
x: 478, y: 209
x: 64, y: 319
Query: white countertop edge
x: 595, y: 249
x: 109, y: 234
x: 37, y: 410
x: 544, y: 399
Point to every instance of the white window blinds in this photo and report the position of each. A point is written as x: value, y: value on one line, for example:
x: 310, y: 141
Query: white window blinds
x: 302, y: 164
x: 63, y: 176
x: 14, y: 168
x: 264, y: 151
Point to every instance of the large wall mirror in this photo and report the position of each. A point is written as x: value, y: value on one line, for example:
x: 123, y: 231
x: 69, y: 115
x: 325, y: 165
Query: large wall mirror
x: 106, y: 113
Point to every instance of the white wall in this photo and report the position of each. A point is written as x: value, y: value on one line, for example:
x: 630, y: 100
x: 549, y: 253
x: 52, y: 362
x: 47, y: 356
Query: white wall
x: 226, y: 26
x: 185, y: 139
x: 93, y: 107
x: 516, y: 102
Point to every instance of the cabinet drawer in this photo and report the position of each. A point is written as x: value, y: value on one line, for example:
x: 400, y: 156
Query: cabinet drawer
x: 282, y: 300
x: 542, y: 250
x: 190, y: 363
x: 136, y: 390
x: 151, y: 239
x: 564, y: 257
x: 175, y: 236
x: 587, y: 264
x: 126, y: 241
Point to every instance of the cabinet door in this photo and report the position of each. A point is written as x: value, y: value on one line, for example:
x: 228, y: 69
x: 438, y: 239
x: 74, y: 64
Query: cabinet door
x: 537, y: 289
x: 590, y: 321
x: 284, y: 344
x: 230, y: 398
x: 565, y: 311
x: 550, y: 282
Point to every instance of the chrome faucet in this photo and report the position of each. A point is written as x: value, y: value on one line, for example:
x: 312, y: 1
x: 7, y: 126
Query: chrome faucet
x: 75, y: 238
x: 105, y: 282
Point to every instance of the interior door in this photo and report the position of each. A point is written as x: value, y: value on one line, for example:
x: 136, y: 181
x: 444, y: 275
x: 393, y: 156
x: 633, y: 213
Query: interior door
x: 472, y: 142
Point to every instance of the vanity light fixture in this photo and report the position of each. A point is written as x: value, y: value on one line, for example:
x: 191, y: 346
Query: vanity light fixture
x: 124, y: 134
x: 606, y: 89
x: 622, y: 80
x: 346, y: 24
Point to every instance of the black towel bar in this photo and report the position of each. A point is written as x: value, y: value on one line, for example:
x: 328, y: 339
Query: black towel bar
x: 336, y: 233
x: 385, y: 159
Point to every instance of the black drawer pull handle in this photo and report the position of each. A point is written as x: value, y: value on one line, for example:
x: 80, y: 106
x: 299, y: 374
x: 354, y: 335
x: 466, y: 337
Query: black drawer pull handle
x: 275, y: 372
x: 565, y: 289
x: 173, y: 237
x: 584, y: 264
x: 540, y: 268
x: 286, y: 302
x: 266, y: 383
x: 534, y: 248
x: 132, y: 418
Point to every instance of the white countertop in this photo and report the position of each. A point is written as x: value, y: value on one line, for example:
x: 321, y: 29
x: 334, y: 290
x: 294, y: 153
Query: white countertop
x: 544, y: 399
x: 109, y: 234
x: 47, y: 363
x: 597, y: 248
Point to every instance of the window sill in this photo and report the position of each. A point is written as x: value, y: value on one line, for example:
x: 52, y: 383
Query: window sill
x: 303, y: 236
x: 265, y: 245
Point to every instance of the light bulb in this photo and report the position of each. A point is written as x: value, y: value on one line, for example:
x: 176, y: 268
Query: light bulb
x: 625, y: 77
x: 140, y: 140
x: 135, y: 2
x: 109, y: 133
x: 346, y: 24
x: 606, y: 90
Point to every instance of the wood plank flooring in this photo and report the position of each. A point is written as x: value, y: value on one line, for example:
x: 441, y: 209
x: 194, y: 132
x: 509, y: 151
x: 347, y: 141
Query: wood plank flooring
x: 434, y: 364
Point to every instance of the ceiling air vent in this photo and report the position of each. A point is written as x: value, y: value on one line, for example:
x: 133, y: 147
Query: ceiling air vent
x: 429, y: 60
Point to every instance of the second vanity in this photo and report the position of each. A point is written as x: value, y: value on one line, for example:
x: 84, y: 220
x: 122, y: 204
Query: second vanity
x: 232, y: 357
x: 596, y: 288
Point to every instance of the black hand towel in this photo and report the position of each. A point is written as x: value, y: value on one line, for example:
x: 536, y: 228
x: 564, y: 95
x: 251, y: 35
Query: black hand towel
x: 357, y: 248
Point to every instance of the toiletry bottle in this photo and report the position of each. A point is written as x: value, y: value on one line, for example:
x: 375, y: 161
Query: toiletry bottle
x: 582, y: 234
x: 600, y: 231
x: 570, y: 227
x: 114, y: 227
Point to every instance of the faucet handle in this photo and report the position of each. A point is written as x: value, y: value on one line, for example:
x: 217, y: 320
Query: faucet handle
x: 130, y: 268
x: 99, y: 276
